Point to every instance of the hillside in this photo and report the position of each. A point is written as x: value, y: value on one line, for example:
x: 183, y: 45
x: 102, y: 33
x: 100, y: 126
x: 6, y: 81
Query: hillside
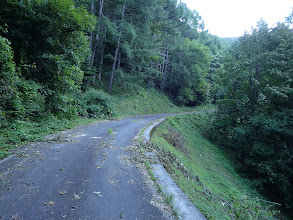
x: 206, y: 173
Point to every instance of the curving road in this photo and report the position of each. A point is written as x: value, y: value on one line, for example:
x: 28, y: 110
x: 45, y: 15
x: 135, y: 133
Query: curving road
x: 82, y: 173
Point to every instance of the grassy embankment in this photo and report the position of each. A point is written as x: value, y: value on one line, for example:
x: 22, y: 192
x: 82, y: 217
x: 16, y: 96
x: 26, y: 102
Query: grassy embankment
x: 212, y: 182
x: 24, y: 130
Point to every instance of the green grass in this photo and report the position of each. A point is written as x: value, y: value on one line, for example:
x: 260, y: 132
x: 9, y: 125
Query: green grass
x: 144, y: 102
x: 20, y: 132
x: 220, y: 188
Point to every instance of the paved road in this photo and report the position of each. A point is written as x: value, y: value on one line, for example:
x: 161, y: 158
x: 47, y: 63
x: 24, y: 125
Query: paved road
x: 78, y: 176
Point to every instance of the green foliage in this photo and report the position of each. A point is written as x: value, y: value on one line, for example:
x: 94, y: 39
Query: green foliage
x: 49, y: 43
x: 161, y: 44
x: 10, y: 105
x: 97, y: 104
x: 32, y: 100
x: 187, y: 96
x: 189, y: 85
x: 255, y: 116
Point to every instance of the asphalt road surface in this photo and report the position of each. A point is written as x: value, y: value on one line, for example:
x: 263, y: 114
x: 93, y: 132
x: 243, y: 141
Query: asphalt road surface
x: 81, y: 173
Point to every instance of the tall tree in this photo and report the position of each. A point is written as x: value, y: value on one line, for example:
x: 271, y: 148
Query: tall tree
x: 117, y: 49
x: 255, y: 116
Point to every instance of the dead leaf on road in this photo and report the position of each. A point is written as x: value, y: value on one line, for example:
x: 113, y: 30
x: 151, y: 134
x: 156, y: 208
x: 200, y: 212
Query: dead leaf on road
x: 76, y: 197
x: 15, y: 217
x: 62, y: 192
x: 73, y: 207
x: 98, y: 194
x: 49, y: 203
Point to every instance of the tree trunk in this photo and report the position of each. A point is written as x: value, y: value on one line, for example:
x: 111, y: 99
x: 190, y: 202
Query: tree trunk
x: 116, y: 53
x: 101, y: 61
x: 91, y: 34
x: 149, y: 79
x: 119, y: 60
x: 98, y: 39
x: 171, y: 82
x: 164, y: 70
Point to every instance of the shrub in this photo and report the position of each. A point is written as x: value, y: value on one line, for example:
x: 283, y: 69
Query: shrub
x: 32, y: 100
x: 10, y: 105
x: 96, y: 104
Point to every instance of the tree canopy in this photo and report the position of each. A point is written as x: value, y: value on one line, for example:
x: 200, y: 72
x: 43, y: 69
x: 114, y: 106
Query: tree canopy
x: 255, y: 116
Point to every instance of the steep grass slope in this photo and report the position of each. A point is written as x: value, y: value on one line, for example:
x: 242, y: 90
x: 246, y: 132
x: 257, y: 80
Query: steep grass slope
x: 211, y: 180
x: 144, y: 102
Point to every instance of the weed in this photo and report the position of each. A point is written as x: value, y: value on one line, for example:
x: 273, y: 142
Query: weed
x: 110, y: 131
x: 168, y: 199
x: 153, y: 178
x: 159, y: 187
x: 144, y: 102
x: 175, y: 213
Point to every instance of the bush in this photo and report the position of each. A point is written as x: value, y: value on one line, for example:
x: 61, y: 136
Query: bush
x: 32, y: 100
x: 10, y: 105
x: 187, y: 96
x: 96, y: 103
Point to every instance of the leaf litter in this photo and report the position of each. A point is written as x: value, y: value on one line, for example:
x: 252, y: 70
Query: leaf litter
x: 98, y: 194
x: 49, y: 203
x: 62, y: 192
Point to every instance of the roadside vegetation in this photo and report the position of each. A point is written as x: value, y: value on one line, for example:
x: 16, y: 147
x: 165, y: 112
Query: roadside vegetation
x: 206, y: 173
x: 102, y: 106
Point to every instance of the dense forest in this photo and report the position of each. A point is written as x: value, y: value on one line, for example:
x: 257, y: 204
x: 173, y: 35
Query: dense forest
x: 52, y: 50
x: 255, y: 108
x: 65, y: 58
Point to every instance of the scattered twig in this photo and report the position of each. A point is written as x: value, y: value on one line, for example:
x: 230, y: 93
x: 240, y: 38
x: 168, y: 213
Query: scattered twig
x: 26, y: 184
x: 124, y: 169
x: 275, y: 203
